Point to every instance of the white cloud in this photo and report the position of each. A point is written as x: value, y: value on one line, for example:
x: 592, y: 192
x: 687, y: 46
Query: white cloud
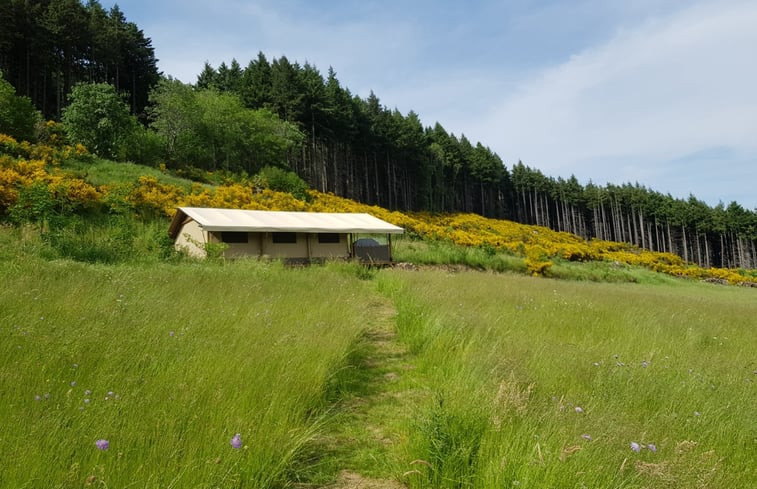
x: 667, y: 88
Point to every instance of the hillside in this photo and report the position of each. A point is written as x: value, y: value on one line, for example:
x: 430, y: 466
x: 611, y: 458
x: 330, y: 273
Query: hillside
x: 278, y: 112
x: 65, y: 190
x: 234, y: 374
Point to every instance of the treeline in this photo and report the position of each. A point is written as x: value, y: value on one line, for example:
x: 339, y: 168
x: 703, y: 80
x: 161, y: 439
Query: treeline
x: 360, y: 149
x: 48, y: 46
x: 723, y: 236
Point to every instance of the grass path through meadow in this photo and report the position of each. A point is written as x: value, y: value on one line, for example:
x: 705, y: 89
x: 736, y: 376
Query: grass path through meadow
x: 376, y: 392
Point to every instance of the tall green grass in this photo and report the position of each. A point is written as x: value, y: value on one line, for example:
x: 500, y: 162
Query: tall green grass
x: 168, y: 363
x: 543, y: 383
x: 98, y: 172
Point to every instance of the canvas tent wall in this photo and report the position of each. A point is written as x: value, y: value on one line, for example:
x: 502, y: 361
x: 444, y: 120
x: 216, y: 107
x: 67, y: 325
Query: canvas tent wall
x: 288, y: 235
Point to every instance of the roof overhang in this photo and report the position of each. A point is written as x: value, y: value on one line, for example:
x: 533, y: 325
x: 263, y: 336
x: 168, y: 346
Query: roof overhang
x: 240, y: 220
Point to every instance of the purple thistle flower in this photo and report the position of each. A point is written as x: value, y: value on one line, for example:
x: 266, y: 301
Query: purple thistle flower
x: 586, y: 437
x: 102, y: 444
x: 236, y: 442
x: 652, y: 447
x: 635, y: 447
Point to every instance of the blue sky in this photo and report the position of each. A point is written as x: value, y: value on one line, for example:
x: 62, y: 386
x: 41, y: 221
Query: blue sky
x: 663, y: 93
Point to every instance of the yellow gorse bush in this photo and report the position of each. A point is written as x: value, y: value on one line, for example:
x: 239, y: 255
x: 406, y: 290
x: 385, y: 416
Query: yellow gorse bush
x: 23, y: 164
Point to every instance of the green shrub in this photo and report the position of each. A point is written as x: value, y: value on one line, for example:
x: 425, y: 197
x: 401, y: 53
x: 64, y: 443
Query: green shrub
x: 282, y: 181
x: 18, y: 117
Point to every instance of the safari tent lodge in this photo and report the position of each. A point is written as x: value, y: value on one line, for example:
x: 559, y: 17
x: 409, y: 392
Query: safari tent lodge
x: 299, y: 237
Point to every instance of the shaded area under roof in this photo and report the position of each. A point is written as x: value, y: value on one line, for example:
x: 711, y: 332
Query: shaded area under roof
x: 212, y: 219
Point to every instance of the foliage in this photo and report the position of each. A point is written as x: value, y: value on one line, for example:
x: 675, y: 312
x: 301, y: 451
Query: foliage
x: 98, y: 118
x: 18, y: 117
x: 213, y: 130
x: 280, y: 180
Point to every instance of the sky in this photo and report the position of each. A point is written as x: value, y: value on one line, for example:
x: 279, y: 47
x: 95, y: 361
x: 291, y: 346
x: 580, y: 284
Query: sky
x: 660, y: 93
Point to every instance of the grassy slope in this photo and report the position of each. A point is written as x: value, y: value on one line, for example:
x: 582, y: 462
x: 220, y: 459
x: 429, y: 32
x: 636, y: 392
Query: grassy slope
x: 104, y: 172
x: 168, y: 364
x: 509, y: 361
x: 498, y: 364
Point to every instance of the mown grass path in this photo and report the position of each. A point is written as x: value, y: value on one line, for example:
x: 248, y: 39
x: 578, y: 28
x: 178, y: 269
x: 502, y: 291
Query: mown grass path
x: 376, y: 393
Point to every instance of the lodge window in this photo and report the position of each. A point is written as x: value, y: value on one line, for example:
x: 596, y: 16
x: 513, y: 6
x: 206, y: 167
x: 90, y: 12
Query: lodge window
x: 233, y: 237
x: 284, y: 238
x: 328, y: 238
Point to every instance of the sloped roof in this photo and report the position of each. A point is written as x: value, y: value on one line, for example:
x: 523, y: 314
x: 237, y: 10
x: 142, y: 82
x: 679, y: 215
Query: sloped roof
x: 211, y: 219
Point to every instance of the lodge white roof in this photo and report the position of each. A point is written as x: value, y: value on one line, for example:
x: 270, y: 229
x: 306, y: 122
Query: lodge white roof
x: 241, y: 220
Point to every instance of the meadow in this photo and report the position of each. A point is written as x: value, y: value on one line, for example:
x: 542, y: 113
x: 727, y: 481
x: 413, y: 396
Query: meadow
x: 492, y: 380
x: 167, y: 363
x: 545, y: 383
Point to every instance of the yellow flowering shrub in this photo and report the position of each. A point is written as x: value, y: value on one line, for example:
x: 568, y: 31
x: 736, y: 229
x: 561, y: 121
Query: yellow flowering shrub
x: 22, y: 164
x: 153, y: 197
x: 537, y: 261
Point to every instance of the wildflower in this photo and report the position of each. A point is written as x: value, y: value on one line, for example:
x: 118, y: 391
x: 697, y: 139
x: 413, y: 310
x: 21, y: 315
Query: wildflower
x: 697, y: 413
x: 37, y: 397
x: 102, y: 444
x: 236, y: 442
x: 635, y: 447
x: 171, y: 333
x: 86, y: 401
x: 586, y: 437
x: 644, y: 364
x: 87, y: 392
x: 596, y: 364
x: 73, y: 383
x: 110, y: 393
x: 579, y: 409
x: 47, y: 395
x: 652, y: 447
